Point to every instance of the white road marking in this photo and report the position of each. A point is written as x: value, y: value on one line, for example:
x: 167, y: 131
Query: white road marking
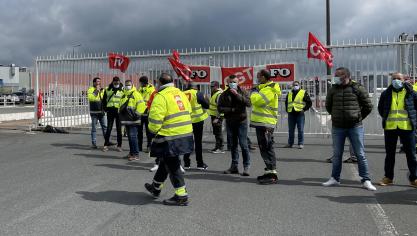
x: 383, y: 223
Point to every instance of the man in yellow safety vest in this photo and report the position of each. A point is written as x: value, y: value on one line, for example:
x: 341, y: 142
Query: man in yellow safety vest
x: 170, y: 122
x: 95, y: 98
x: 146, y: 89
x: 216, y: 116
x: 296, y: 103
x: 112, y: 95
x: 398, y: 109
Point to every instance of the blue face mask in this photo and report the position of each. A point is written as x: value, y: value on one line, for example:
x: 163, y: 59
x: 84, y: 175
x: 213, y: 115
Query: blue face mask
x: 337, y: 80
x: 397, y: 84
x: 233, y: 85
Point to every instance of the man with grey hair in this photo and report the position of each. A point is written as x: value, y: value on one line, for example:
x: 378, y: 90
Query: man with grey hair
x: 348, y: 104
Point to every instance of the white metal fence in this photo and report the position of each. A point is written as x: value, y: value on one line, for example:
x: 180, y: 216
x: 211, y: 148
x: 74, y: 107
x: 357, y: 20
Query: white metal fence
x: 64, y: 79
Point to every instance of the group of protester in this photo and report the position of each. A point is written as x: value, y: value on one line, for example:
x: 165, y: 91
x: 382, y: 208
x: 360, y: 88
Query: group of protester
x: 174, y: 121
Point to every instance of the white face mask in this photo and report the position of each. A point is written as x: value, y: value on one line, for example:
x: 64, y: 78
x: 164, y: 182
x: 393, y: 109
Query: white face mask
x: 337, y: 80
x: 233, y: 85
x: 116, y: 85
x: 296, y: 87
x: 128, y: 87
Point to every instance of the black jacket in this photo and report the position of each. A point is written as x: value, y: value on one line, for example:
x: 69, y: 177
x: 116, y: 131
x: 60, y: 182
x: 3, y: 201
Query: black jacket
x: 384, y: 104
x: 234, y: 106
x: 348, y: 104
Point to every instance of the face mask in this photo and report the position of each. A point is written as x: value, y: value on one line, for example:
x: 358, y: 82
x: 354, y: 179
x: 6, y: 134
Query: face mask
x: 397, y: 84
x: 116, y: 85
x: 337, y: 80
x: 128, y: 87
x: 296, y: 87
x: 233, y: 85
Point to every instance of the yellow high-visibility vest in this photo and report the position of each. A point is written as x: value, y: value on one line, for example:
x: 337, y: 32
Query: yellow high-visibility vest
x: 197, y: 114
x: 170, y: 115
x: 398, y: 116
x: 115, y: 99
x: 146, y: 92
x: 265, y: 105
x: 136, y: 103
x: 213, y: 104
x: 95, y: 100
x: 298, y: 104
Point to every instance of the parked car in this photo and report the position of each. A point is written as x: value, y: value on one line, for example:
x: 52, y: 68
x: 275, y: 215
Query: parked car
x: 24, y: 98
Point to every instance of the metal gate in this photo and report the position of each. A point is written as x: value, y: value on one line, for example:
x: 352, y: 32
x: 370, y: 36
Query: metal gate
x: 63, y: 80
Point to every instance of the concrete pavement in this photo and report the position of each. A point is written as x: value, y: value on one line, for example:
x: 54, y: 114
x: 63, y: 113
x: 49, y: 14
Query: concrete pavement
x: 54, y: 184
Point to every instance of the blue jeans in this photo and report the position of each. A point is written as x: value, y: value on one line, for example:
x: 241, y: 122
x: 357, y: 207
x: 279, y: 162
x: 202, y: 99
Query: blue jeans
x: 355, y: 136
x: 132, y: 136
x: 293, y: 120
x: 94, y: 119
x: 239, y: 133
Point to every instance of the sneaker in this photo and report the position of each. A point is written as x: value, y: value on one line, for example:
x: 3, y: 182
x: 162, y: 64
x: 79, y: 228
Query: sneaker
x: 154, y: 168
x: 202, y: 167
x: 133, y: 158
x: 182, y: 169
x: 94, y: 146
x: 331, y: 182
x: 351, y: 160
x: 329, y: 160
x: 176, y: 201
x: 368, y: 185
x: 119, y: 149
x: 385, y: 181
x: 231, y: 170
x: 413, y: 183
x: 187, y: 166
x: 245, y: 171
x: 152, y: 190
x: 288, y: 146
x: 218, y: 151
x: 105, y: 149
x: 212, y: 150
x: 300, y: 146
x: 268, y: 179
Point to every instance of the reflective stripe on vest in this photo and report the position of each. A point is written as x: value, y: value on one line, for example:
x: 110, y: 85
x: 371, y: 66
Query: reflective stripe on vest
x: 398, y: 116
x: 298, y: 103
x: 197, y: 114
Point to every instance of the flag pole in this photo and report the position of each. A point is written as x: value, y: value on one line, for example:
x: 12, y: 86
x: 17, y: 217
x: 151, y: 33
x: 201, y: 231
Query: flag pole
x: 328, y: 41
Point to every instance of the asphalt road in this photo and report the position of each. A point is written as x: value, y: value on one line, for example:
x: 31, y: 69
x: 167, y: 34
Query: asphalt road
x: 54, y: 184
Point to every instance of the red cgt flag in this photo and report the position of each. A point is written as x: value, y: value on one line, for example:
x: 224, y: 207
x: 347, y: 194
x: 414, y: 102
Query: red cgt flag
x: 117, y: 61
x: 316, y: 50
x: 181, y: 69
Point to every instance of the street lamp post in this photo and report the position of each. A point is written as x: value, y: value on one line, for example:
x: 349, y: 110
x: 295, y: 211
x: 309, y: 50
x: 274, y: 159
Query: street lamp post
x: 73, y: 68
x: 328, y: 41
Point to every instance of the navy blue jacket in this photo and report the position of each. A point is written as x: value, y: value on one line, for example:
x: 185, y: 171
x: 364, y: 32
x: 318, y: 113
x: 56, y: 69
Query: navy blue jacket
x: 384, y: 104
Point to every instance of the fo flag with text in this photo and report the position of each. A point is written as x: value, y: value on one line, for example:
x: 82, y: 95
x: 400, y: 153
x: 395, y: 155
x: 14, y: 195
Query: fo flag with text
x: 200, y: 74
x: 181, y: 69
x: 316, y: 50
x: 282, y: 72
x: 244, y: 74
x: 119, y: 62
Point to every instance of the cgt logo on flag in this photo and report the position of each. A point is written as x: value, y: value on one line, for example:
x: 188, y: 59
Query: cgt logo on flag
x: 316, y: 50
x: 119, y: 62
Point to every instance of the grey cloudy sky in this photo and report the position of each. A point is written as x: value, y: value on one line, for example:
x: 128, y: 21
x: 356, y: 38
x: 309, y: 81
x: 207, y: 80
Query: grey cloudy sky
x: 30, y: 28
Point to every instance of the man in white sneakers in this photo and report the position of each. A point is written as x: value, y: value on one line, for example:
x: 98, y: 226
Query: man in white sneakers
x: 348, y: 103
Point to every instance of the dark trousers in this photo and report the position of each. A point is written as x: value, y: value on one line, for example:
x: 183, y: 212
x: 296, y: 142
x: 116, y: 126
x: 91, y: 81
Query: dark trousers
x: 264, y: 136
x: 171, y: 166
x: 239, y: 135
x: 144, y: 122
x: 112, y: 115
x: 296, y: 119
x: 408, y: 140
x: 217, y: 131
x: 198, y: 145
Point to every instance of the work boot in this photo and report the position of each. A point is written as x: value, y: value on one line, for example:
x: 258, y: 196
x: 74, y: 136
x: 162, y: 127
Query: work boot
x: 245, y: 171
x: 176, y: 201
x: 385, y: 181
x: 152, y: 190
x: 204, y: 166
x: 269, y: 178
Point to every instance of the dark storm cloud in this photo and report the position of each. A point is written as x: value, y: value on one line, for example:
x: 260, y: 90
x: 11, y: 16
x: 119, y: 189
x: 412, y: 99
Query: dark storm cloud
x: 48, y: 27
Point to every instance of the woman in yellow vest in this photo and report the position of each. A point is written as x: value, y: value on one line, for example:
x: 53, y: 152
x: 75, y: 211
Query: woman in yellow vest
x: 398, y: 109
x: 296, y: 103
x: 170, y: 122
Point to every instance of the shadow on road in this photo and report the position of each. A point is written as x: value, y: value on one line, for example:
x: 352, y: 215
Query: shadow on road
x: 300, y: 160
x: 98, y: 156
x: 404, y: 197
x: 121, y: 197
x: 128, y: 166
x: 72, y: 146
